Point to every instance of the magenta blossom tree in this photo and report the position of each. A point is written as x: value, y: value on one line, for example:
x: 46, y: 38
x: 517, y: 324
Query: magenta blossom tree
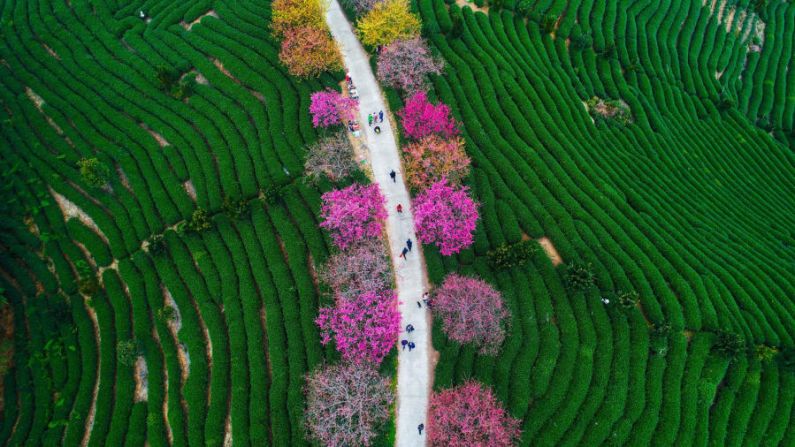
x: 329, y: 108
x: 353, y: 213
x: 345, y: 404
x: 364, y: 329
x: 405, y: 64
x: 421, y: 118
x: 471, y: 312
x: 360, y: 268
x: 446, y: 216
x: 470, y: 416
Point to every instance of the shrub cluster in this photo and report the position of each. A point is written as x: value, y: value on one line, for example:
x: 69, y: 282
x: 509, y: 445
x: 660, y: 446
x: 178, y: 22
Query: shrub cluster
x: 507, y: 256
x: 94, y: 172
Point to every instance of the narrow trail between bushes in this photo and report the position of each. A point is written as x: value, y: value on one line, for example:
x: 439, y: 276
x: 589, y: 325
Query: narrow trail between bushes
x: 414, y: 368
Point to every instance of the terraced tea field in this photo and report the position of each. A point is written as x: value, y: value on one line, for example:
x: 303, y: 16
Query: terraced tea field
x: 166, y: 295
x: 223, y: 319
x: 690, y: 205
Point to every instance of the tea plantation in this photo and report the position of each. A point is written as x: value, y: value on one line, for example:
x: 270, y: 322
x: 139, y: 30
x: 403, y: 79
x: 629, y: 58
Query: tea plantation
x: 158, y: 240
x: 136, y: 318
x: 685, y: 203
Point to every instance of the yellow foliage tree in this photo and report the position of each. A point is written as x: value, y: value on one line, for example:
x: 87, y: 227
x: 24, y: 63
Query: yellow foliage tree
x: 388, y: 21
x: 287, y: 14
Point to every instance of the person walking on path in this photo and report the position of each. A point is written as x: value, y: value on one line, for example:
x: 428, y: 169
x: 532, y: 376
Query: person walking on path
x: 411, y: 346
x: 403, y: 253
x: 370, y: 119
x: 409, y: 244
x: 420, y: 427
x: 404, y: 343
x: 409, y: 328
x: 381, y: 116
x: 393, y: 174
x: 419, y: 304
x: 399, y: 208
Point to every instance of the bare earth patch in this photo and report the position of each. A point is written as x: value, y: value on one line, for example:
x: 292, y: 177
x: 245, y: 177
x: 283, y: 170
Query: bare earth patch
x: 159, y: 138
x: 188, y: 26
x: 70, y: 210
x: 125, y: 181
x: 174, y: 325
x: 228, y: 431
x: 200, y: 79
x: 51, y: 51
x: 257, y: 95
x: 93, y: 409
x: 190, y: 189
x: 141, y: 380
x: 550, y: 250
x: 220, y: 66
x: 38, y: 101
x: 462, y: 3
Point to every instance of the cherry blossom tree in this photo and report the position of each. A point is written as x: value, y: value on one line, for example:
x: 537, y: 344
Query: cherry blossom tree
x: 308, y: 51
x: 364, y: 329
x: 447, y: 216
x: 360, y: 268
x: 361, y: 7
x: 329, y: 108
x: 433, y: 158
x: 331, y: 156
x: 353, y: 213
x: 471, y: 312
x: 421, y: 118
x: 405, y: 64
x: 346, y: 404
x: 470, y: 416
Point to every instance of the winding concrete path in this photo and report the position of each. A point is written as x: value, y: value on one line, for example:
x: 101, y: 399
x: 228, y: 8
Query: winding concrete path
x: 414, y: 372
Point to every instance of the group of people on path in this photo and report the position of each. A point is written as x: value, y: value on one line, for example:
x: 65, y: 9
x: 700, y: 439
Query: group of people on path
x: 375, y: 118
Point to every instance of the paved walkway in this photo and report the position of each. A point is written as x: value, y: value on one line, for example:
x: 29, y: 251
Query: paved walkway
x: 414, y: 371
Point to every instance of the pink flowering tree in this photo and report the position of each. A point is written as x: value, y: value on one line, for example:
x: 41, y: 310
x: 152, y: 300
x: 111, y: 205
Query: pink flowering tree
x: 469, y: 415
x: 353, y: 213
x: 364, y: 329
x: 421, y: 118
x: 331, y: 157
x: 346, y: 404
x: 446, y: 216
x: 405, y: 64
x: 471, y: 312
x: 361, y: 268
x: 329, y: 108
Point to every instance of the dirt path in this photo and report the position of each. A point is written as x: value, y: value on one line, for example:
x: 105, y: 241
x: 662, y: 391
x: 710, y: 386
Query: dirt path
x: 551, y: 251
x: 414, y: 379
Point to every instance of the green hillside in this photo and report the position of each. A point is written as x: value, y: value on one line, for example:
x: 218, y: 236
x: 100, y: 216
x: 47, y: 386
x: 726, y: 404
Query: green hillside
x: 222, y: 319
x: 688, y: 201
x: 164, y: 293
